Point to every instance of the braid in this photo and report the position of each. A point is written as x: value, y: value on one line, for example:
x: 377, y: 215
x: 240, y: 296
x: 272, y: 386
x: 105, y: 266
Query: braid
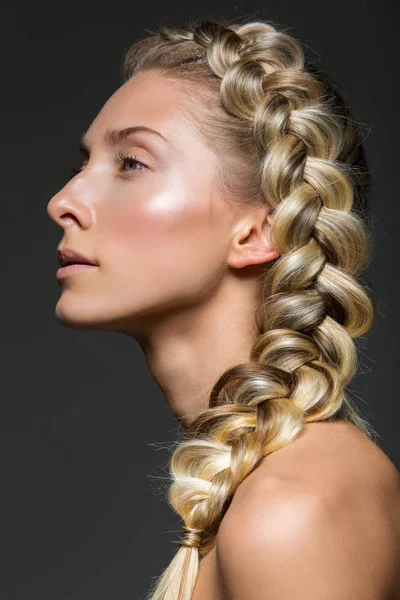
x: 305, y: 161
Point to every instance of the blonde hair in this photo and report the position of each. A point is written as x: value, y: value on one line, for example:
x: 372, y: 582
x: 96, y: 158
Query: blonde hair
x: 288, y: 141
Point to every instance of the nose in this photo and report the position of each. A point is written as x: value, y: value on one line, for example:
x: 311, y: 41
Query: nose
x: 68, y: 208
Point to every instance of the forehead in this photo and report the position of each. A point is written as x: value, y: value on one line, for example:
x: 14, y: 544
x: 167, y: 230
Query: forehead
x: 150, y: 100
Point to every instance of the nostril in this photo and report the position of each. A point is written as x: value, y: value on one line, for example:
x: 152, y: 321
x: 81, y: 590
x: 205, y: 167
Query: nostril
x: 69, y: 218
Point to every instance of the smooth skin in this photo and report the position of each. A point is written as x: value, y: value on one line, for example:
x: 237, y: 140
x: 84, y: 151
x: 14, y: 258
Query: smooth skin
x: 317, y: 520
x: 178, y: 267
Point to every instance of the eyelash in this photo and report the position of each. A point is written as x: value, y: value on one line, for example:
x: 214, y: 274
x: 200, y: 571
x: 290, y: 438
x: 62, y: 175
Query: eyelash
x: 120, y: 159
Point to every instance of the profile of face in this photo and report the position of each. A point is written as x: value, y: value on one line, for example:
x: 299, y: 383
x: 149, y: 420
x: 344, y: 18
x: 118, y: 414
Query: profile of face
x: 147, y: 210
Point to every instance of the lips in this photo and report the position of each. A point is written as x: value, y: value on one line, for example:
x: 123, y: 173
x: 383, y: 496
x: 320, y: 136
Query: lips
x: 70, y: 257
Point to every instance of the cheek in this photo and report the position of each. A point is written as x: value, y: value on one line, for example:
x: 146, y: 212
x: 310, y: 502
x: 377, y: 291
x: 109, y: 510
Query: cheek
x: 165, y: 238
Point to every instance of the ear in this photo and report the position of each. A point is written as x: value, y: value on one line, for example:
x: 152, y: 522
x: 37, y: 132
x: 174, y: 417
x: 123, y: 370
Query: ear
x: 251, y: 242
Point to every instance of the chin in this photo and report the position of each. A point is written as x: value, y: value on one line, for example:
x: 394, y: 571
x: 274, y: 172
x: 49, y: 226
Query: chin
x: 72, y: 322
x: 85, y: 316
x: 79, y: 315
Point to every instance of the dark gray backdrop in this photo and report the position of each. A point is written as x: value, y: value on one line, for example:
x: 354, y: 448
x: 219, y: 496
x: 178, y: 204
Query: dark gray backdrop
x: 83, y: 425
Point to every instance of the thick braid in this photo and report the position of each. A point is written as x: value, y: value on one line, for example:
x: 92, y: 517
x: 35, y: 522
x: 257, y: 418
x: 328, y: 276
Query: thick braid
x: 312, y: 304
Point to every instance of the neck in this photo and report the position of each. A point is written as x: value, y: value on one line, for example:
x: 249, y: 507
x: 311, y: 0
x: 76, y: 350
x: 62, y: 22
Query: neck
x: 189, y: 351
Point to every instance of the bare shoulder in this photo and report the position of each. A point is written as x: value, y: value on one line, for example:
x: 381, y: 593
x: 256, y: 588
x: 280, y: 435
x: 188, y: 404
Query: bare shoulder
x: 320, y: 518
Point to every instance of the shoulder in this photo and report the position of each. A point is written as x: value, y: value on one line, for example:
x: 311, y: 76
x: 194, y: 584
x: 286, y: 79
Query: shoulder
x: 287, y: 546
x: 307, y: 527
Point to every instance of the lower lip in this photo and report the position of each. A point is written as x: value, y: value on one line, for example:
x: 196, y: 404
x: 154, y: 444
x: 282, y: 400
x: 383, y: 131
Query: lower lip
x: 70, y: 269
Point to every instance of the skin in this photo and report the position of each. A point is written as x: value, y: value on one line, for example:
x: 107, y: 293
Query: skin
x: 178, y: 263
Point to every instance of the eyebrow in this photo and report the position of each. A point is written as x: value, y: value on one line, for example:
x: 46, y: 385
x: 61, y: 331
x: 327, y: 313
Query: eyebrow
x: 112, y: 137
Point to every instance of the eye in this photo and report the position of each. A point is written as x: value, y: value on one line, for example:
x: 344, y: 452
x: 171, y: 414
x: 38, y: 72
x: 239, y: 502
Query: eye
x: 123, y: 159
x: 120, y: 159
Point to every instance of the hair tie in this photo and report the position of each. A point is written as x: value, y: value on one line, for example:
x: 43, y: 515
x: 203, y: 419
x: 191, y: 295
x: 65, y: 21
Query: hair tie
x: 192, y: 537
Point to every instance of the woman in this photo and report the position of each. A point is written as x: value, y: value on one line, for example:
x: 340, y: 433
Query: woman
x: 221, y: 203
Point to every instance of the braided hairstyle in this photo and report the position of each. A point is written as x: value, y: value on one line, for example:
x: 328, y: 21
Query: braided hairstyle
x: 287, y: 140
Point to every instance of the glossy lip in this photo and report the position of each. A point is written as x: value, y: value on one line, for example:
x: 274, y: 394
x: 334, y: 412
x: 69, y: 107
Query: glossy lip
x: 73, y: 269
x: 69, y: 255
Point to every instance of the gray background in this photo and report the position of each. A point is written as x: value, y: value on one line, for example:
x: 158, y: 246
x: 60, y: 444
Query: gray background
x: 84, y: 428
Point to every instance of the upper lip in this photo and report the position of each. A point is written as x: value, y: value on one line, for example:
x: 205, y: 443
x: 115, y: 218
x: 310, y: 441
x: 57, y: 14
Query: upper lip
x: 67, y: 256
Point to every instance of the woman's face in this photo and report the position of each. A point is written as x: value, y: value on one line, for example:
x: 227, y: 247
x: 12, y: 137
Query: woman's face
x: 158, y: 229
